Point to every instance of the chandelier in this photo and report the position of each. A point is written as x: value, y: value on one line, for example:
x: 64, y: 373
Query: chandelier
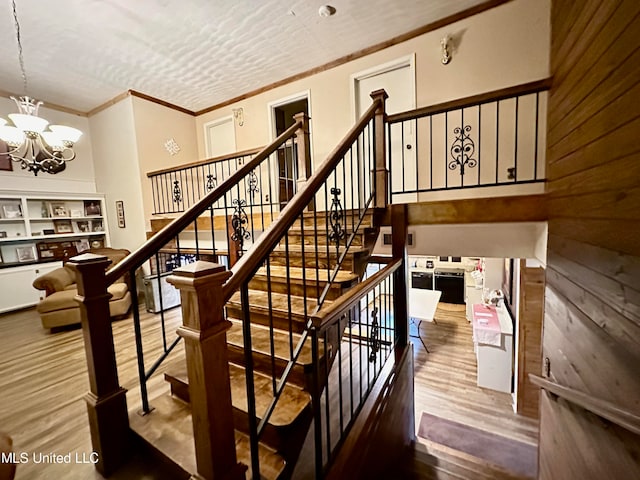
x: 33, y: 147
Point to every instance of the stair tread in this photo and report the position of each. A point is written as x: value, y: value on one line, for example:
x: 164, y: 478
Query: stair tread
x: 259, y: 301
x: 293, y: 400
x: 261, y: 343
x: 169, y: 429
x: 310, y: 274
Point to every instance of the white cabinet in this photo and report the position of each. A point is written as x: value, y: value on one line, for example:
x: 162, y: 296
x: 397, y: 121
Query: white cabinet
x: 37, y: 232
x: 17, y: 290
x: 493, y: 343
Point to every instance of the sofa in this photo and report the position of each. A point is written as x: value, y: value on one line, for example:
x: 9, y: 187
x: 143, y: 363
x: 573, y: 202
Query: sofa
x: 59, y: 307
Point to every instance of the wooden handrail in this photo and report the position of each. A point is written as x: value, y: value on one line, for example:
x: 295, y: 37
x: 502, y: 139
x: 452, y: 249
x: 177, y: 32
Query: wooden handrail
x: 328, y: 315
x: 249, y: 264
x: 600, y: 407
x: 155, y: 243
x: 488, y: 97
x: 206, y: 161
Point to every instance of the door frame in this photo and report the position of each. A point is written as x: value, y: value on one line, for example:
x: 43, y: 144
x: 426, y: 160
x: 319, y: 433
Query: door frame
x: 271, y: 113
x: 271, y: 107
x: 401, y: 62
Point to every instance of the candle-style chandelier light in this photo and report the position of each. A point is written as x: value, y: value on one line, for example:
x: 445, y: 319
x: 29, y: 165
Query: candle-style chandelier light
x: 30, y: 144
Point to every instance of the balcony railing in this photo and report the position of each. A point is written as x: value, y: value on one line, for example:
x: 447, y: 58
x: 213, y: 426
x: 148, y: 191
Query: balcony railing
x: 486, y: 140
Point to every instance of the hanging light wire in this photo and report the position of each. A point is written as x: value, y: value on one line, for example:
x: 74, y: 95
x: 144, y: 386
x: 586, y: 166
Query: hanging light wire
x: 20, y: 56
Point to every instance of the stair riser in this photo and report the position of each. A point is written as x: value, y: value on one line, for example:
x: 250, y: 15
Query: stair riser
x: 323, y: 218
x: 295, y: 260
x: 280, y: 320
x: 313, y: 289
x: 311, y: 239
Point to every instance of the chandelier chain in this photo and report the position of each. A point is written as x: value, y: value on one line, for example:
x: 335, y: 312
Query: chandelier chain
x: 20, y: 57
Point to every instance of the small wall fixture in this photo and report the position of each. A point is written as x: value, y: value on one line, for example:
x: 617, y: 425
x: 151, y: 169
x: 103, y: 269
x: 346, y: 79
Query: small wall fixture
x: 326, y: 11
x: 446, y: 49
x: 238, y: 115
x: 172, y: 146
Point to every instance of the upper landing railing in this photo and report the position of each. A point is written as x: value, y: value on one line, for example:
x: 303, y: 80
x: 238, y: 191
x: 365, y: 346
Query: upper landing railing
x: 492, y: 139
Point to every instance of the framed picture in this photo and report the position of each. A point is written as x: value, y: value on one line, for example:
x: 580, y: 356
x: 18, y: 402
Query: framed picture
x: 96, y: 226
x: 58, y: 209
x: 63, y: 226
x: 82, y: 245
x: 120, y: 213
x: 26, y: 254
x: 11, y: 210
x: 3, y: 234
x: 92, y: 207
x: 83, y: 226
x: 76, y: 212
x: 48, y: 231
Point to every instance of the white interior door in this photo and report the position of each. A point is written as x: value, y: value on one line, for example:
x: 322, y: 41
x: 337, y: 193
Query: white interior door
x: 220, y: 137
x: 397, y: 78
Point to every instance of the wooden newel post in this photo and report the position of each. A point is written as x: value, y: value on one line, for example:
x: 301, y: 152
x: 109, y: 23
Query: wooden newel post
x: 304, y: 152
x: 106, y: 400
x: 204, y: 332
x: 381, y: 174
x: 399, y: 234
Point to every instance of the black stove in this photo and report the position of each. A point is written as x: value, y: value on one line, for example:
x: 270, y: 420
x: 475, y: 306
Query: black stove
x: 450, y: 281
x: 449, y: 272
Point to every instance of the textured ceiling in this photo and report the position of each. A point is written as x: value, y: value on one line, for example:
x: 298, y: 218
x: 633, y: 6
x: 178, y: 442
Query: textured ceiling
x: 192, y: 53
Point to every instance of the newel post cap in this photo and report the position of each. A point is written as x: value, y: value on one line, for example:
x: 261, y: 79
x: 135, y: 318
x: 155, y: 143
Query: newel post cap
x: 198, y: 272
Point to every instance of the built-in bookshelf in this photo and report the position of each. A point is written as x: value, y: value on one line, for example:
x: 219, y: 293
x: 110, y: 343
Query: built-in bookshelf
x: 38, y: 232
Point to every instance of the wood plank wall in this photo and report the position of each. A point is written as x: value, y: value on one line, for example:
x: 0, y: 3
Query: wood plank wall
x: 592, y: 308
x: 531, y: 308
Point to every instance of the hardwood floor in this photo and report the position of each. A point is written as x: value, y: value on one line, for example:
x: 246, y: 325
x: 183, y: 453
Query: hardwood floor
x: 445, y: 386
x: 43, y: 380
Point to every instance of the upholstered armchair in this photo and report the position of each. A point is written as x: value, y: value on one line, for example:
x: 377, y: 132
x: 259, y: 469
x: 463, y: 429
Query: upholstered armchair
x: 59, y: 308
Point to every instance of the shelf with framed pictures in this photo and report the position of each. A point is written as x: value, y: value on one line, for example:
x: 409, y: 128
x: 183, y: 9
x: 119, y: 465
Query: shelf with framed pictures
x: 38, y: 229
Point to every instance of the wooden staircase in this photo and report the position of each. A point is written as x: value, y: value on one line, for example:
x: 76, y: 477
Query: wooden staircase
x: 283, y: 293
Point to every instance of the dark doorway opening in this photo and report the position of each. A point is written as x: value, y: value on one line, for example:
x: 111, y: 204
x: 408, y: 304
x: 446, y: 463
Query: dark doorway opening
x: 286, y: 161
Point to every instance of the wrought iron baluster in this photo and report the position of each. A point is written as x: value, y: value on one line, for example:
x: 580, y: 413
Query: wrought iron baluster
x: 253, y: 184
x: 462, y: 148
x: 177, y: 192
x: 374, y: 336
x: 336, y: 218
x: 211, y: 182
x: 239, y: 222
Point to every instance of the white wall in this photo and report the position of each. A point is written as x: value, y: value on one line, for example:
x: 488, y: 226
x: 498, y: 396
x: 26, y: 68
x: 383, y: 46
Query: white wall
x: 503, y: 240
x: 78, y: 177
x: 117, y: 171
x: 154, y: 124
x: 502, y: 47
